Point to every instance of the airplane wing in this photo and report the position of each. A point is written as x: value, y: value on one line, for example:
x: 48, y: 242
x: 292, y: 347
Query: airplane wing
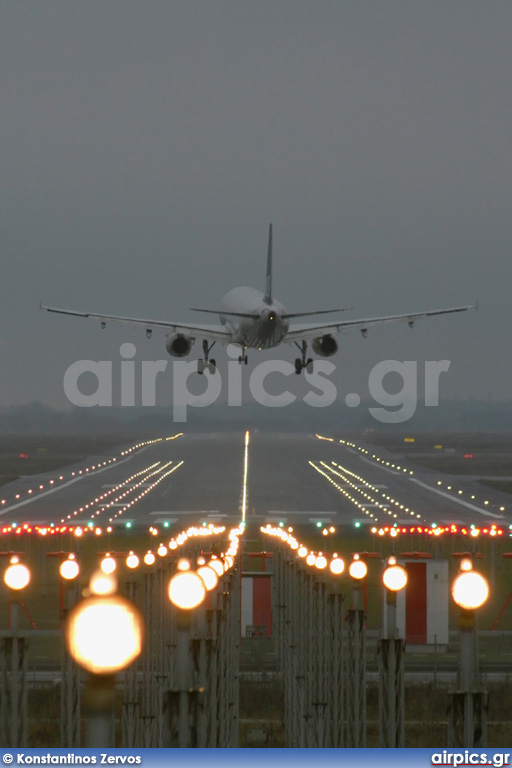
x: 300, y: 332
x: 215, y: 332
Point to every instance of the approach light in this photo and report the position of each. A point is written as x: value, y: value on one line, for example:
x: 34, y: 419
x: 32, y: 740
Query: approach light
x: 102, y: 584
x: 69, y: 569
x: 337, y: 566
x: 149, y: 558
x: 132, y: 561
x: 357, y: 569
x: 217, y: 567
x: 470, y: 590
x: 108, y: 564
x: 394, y: 577
x: 186, y: 590
x: 17, y: 575
x: 104, y: 634
x: 209, y: 576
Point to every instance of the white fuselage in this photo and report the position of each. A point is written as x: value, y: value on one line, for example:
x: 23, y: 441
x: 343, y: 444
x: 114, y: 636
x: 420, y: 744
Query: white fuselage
x: 262, y: 332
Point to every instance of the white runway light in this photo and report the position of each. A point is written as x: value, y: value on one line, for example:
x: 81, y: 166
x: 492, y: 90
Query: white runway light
x: 244, y: 483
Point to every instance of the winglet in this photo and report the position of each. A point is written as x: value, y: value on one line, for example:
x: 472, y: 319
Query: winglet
x: 268, y: 294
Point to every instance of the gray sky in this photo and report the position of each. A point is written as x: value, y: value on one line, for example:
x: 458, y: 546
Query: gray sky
x: 145, y: 146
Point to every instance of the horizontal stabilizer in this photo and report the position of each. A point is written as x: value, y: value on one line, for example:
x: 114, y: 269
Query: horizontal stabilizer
x: 318, y: 312
x: 228, y: 314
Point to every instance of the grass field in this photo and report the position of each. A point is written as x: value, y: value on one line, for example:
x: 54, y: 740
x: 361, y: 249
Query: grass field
x: 491, y: 453
x: 29, y: 455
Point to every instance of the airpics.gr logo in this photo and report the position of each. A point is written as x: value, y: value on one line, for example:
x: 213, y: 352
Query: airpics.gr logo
x: 390, y: 407
x: 496, y: 759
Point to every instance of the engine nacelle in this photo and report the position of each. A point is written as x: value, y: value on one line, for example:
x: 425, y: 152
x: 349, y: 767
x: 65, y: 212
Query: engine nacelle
x: 325, y: 346
x: 178, y: 345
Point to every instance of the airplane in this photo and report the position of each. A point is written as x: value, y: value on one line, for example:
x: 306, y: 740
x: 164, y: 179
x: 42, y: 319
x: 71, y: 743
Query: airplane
x: 253, y: 319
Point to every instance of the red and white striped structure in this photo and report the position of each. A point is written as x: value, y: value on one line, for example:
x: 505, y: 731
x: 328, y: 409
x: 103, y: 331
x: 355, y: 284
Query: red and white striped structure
x: 256, y: 620
x: 422, y: 607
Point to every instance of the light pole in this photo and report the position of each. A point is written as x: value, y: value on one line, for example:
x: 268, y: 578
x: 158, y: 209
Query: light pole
x: 356, y: 659
x: 467, y: 726
x: 14, y: 661
x: 335, y: 671
x: 186, y: 591
x: 130, y: 722
x: 391, y: 662
x: 104, y: 634
x: 70, y: 671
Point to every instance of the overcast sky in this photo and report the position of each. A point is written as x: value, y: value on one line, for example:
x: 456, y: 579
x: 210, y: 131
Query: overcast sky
x: 145, y: 147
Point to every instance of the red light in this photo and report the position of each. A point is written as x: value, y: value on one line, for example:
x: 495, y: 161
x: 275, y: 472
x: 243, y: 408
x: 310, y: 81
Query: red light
x: 468, y: 456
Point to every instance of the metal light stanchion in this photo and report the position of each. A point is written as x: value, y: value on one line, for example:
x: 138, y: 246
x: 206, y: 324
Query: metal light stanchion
x: 104, y: 634
x: 186, y: 591
x: 70, y: 671
x: 130, y: 715
x: 335, y: 670
x: 356, y: 660
x: 310, y: 643
x: 391, y: 663
x: 467, y: 724
x: 148, y: 710
x: 14, y: 660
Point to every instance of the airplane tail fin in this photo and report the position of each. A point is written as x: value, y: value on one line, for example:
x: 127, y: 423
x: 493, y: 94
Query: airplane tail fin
x: 268, y: 294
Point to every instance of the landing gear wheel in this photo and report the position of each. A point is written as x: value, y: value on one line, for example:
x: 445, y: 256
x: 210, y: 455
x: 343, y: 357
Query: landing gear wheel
x: 303, y: 362
x: 206, y: 363
x: 243, y: 359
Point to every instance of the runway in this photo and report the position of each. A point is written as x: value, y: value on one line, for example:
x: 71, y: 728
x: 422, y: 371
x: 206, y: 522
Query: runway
x: 294, y: 478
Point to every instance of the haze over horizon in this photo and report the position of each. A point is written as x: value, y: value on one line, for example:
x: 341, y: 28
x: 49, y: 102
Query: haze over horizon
x: 146, y: 147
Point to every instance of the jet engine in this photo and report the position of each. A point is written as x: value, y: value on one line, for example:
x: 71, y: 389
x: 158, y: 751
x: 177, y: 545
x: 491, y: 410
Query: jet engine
x: 178, y: 345
x: 325, y: 346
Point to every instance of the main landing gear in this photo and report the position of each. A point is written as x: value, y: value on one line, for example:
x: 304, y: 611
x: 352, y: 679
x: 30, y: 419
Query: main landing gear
x: 303, y: 362
x: 206, y: 363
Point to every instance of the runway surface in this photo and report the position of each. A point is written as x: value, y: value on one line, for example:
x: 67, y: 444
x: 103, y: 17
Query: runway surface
x: 294, y: 478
